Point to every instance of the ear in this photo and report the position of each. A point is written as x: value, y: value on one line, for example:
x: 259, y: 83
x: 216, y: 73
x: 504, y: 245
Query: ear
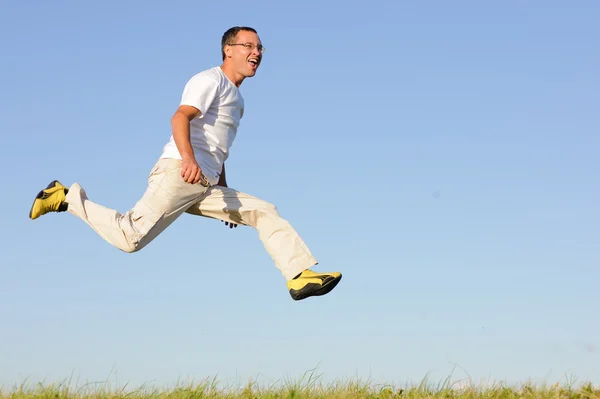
x: 227, y: 50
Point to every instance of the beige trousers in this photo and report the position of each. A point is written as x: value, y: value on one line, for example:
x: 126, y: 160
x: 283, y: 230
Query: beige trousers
x: 168, y: 196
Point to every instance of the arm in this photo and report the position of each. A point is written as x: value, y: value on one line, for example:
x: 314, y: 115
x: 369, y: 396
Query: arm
x: 222, y: 179
x: 180, y: 125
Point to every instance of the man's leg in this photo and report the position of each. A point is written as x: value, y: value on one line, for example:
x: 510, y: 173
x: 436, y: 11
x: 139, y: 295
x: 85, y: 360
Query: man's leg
x: 166, y: 198
x: 289, y: 252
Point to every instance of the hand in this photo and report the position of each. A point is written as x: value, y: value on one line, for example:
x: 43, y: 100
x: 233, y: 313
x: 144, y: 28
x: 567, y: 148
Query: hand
x: 231, y: 225
x: 191, y: 171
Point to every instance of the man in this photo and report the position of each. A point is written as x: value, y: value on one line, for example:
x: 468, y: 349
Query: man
x: 189, y: 176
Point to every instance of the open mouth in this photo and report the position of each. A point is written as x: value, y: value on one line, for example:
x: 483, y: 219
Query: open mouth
x: 253, y: 62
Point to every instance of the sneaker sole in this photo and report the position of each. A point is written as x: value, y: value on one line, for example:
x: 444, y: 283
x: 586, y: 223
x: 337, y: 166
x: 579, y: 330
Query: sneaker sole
x: 324, y: 289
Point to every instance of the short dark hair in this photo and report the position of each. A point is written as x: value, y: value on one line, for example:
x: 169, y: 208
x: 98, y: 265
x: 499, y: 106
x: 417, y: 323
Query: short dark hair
x: 230, y: 34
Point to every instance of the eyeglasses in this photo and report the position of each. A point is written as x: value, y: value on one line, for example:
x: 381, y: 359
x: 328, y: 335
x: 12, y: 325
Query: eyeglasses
x: 250, y: 46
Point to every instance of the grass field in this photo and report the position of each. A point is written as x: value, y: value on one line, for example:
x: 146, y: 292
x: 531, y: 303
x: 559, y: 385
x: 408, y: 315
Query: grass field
x: 308, y: 387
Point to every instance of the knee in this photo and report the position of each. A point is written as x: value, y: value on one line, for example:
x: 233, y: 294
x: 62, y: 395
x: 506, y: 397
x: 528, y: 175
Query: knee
x: 264, y: 210
x: 267, y: 207
x: 131, y: 248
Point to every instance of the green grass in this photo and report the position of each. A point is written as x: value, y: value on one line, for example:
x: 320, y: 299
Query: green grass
x: 307, y: 387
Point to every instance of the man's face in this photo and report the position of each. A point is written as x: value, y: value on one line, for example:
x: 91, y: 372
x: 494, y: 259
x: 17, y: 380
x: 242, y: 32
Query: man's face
x: 245, y: 53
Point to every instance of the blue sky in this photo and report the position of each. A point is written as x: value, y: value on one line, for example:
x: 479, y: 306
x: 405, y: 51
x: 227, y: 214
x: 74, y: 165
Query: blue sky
x: 443, y: 157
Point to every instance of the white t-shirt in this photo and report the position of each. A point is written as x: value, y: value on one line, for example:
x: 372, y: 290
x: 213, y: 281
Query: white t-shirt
x: 211, y: 133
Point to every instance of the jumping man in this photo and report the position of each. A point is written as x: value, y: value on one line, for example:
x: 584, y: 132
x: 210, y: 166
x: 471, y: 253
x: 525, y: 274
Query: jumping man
x: 189, y: 176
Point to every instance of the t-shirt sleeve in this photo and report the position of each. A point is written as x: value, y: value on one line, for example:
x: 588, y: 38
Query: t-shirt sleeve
x: 200, y: 92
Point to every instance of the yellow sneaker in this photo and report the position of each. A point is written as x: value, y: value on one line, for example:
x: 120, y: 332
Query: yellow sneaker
x: 50, y: 199
x: 309, y: 283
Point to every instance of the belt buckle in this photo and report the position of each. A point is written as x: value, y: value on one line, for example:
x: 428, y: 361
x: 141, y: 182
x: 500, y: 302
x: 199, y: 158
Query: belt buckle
x: 204, y: 181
